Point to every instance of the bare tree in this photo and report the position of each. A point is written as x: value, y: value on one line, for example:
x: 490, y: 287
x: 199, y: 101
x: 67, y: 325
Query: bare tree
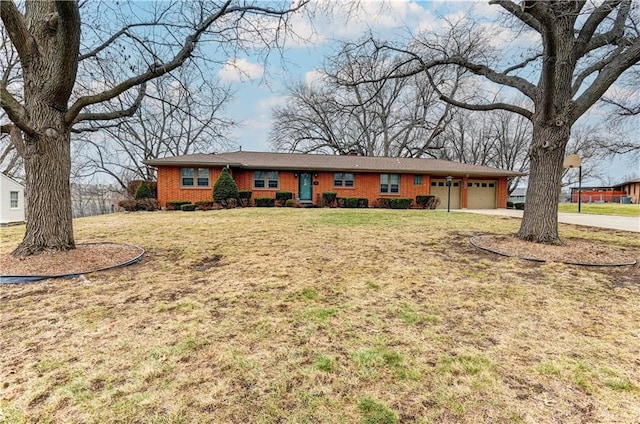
x: 180, y: 114
x: 399, y: 118
x: 10, y: 159
x: 47, y: 39
x: 497, y: 139
x: 627, y: 101
x: 581, y: 49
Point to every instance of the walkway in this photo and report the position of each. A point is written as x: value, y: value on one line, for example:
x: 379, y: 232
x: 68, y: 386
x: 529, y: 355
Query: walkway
x: 625, y: 223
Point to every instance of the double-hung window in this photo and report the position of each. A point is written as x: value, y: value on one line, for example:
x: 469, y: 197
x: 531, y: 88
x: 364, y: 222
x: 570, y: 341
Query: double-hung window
x: 266, y: 179
x: 390, y: 183
x: 13, y: 197
x: 192, y: 177
x: 343, y: 179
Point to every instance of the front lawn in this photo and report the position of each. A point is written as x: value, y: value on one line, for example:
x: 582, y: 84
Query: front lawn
x: 601, y: 208
x: 321, y: 316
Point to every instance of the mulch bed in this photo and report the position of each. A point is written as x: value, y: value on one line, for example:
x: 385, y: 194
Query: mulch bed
x: 572, y: 251
x: 85, y: 258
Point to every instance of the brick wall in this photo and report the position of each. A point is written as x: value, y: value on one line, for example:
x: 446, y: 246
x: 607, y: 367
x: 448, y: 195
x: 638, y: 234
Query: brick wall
x: 366, y: 185
x: 169, y: 187
x: 503, y: 193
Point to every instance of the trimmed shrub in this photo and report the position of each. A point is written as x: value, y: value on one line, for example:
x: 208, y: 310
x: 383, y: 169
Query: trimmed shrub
x: 290, y: 203
x: 133, y: 185
x: 519, y: 205
x: 204, y: 205
x: 265, y: 202
x: 244, y: 198
x: 400, y: 203
x: 422, y: 200
x: 351, y: 202
x: 147, y: 204
x: 188, y: 208
x: 143, y: 191
x: 383, y: 202
x: 175, y: 205
x: 509, y: 205
x: 328, y: 198
x: 225, y: 188
x: 283, y: 196
x: 132, y: 205
x: 128, y: 205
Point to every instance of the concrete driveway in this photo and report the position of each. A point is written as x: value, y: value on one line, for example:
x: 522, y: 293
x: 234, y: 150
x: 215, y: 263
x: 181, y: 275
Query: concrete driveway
x: 625, y: 223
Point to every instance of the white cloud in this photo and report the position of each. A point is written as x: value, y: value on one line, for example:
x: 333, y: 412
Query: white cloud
x: 240, y: 69
x: 313, y: 77
x: 266, y: 104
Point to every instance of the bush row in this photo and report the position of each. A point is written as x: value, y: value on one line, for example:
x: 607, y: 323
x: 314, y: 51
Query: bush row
x: 352, y: 202
x: 132, y: 205
x: 330, y: 199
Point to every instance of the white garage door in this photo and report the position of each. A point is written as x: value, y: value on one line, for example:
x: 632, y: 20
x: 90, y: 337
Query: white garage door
x: 481, y: 194
x: 439, y: 189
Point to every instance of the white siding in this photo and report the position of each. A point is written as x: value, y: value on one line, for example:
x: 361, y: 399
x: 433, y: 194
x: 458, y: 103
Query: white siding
x: 7, y: 213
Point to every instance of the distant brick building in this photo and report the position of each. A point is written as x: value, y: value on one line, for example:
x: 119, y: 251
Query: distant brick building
x: 631, y: 188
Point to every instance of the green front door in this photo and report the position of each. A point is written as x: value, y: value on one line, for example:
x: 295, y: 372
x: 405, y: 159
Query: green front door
x: 305, y: 190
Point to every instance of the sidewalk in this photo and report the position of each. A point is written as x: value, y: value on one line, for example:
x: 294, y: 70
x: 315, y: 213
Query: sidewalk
x: 625, y: 223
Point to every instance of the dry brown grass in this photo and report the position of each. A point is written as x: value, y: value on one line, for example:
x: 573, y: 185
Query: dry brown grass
x: 292, y: 315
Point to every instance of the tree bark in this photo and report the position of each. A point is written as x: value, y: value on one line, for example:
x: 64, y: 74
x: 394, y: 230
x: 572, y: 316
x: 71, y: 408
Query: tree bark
x: 540, y: 219
x: 49, y: 75
x: 48, y: 208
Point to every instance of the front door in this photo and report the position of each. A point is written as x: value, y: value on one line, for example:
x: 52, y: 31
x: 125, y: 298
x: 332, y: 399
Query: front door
x: 305, y: 190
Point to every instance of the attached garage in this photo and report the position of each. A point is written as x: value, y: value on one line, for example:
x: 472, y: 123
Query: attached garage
x: 481, y: 194
x: 439, y: 189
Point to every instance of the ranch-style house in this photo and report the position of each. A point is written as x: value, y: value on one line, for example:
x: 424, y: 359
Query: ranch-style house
x: 307, y: 176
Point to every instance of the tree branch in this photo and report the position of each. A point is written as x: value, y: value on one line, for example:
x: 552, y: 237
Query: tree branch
x: 17, y: 28
x: 15, y: 111
x: 607, y: 76
x: 490, y: 106
x: 123, y: 113
x: 15, y: 135
x: 123, y: 31
x: 588, y: 40
x: 520, y: 13
x: 598, y: 66
x: 522, y: 64
x: 624, y: 110
x: 520, y: 84
x: 159, y: 69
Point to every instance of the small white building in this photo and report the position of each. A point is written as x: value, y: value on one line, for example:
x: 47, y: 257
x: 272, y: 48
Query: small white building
x: 11, y: 201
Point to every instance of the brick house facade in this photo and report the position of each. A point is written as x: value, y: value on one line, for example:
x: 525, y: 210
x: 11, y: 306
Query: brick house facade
x: 191, y: 177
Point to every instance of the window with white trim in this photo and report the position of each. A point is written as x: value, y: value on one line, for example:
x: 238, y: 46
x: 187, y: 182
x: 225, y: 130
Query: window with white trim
x: 390, y: 183
x: 190, y: 177
x: 343, y: 179
x: 14, y: 196
x: 266, y: 179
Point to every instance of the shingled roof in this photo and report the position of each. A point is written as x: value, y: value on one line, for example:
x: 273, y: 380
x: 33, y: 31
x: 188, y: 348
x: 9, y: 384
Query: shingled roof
x: 317, y: 162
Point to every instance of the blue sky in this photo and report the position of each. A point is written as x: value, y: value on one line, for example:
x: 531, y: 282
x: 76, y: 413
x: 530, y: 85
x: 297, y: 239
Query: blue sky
x: 261, y: 85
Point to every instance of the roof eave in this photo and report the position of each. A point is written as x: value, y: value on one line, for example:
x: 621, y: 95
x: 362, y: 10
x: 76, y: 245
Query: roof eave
x: 489, y: 173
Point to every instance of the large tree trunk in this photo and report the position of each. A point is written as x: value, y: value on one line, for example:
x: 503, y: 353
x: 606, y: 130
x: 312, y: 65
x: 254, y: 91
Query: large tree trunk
x: 49, y: 56
x: 48, y: 206
x: 540, y: 220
